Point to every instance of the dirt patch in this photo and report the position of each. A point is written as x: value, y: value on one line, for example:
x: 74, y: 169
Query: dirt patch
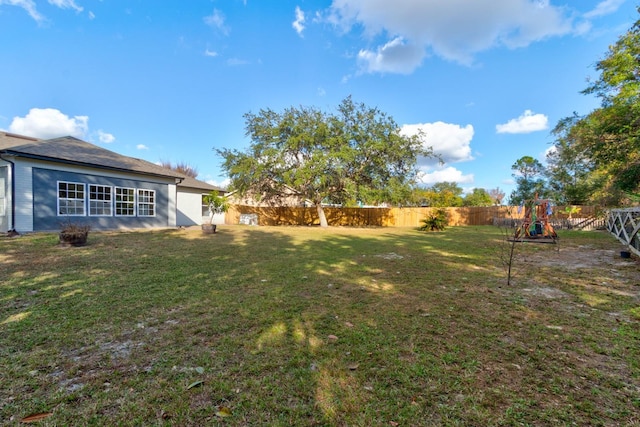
x: 390, y: 255
x: 546, y: 292
x: 577, y: 278
x: 584, y: 256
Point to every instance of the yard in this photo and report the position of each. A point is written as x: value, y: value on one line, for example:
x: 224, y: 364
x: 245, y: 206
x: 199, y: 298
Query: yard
x: 305, y: 326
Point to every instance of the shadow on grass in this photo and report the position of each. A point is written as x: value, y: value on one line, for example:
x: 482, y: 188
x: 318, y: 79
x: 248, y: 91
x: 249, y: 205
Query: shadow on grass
x: 296, y: 326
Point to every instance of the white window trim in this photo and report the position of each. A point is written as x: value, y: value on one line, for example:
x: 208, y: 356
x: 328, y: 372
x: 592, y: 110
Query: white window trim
x: 111, y: 201
x: 115, y: 202
x: 84, y: 199
x: 139, y: 203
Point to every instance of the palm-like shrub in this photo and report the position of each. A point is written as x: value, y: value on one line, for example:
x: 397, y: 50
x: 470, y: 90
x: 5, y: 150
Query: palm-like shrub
x: 437, y: 220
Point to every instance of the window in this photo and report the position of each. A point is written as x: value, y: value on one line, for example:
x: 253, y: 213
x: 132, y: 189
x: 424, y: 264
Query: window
x: 125, y: 201
x: 70, y: 198
x: 99, y: 200
x: 104, y: 200
x: 146, y: 203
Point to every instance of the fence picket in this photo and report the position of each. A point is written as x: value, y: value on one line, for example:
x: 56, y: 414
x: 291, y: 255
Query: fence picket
x: 399, y: 216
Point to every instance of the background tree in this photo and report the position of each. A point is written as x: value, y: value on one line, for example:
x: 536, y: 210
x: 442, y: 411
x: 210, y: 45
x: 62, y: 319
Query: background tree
x: 570, y: 173
x: 497, y: 195
x: 609, y: 136
x: 442, y: 194
x: 354, y: 155
x: 421, y: 196
x: 478, y: 197
x: 182, y: 167
x: 528, y: 173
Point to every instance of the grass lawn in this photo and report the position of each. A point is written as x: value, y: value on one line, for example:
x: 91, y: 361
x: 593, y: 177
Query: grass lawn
x: 303, y: 326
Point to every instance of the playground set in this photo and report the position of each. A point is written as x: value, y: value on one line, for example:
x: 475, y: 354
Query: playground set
x: 535, y: 225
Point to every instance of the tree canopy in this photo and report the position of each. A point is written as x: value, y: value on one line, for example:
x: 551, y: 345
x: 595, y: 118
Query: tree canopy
x: 355, y: 155
x: 529, y: 175
x: 569, y: 170
x: 182, y: 167
x: 450, y: 194
x: 478, y: 197
x: 597, y: 156
x: 440, y: 194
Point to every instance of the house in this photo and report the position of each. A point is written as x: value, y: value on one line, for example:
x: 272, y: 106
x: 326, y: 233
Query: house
x: 288, y: 197
x: 191, y: 210
x: 44, y: 183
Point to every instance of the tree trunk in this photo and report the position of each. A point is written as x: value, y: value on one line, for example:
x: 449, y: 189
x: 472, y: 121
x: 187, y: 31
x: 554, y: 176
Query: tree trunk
x: 323, y: 217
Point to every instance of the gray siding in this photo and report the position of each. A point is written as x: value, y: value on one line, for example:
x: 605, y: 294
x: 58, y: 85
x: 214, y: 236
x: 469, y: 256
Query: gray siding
x: 5, y: 207
x: 45, y: 199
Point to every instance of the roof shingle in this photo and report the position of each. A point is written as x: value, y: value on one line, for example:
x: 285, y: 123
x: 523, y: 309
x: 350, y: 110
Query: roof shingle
x: 75, y: 151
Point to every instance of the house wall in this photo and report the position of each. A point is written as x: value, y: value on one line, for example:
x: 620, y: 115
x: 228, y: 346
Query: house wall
x: 45, y: 202
x: 189, y: 207
x: 5, y: 207
x: 172, y: 205
x: 40, y: 178
x: 23, y: 203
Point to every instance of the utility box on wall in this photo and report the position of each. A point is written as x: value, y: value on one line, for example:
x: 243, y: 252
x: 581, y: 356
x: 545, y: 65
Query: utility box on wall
x: 249, y: 219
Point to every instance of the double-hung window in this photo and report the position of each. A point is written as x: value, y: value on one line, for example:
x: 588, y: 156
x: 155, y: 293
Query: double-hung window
x: 146, y: 202
x: 125, y: 201
x: 100, y: 200
x: 71, y: 198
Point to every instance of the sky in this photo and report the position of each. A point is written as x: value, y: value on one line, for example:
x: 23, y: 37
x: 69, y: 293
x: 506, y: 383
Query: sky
x: 485, y: 80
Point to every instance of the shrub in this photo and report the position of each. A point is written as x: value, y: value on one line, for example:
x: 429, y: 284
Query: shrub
x: 436, y: 221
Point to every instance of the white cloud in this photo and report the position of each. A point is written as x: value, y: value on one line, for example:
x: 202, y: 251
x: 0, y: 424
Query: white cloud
x: 448, y: 174
x: 605, y: 7
x: 234, y: 62
x: 28, y: 5
x: 92, y: 15
x: 210, y: 53
x: 549, y: 151
x: 105, y: 138
x: 394, y: 57
x: 49, y: 123
x: 217, y: 20
x: 142, y: 147
x: 66, y: 4
x: 455, y: 30
x: 298, y: 24
x: 526, y: 123
x: 450, y: 141
x: 220, y: 184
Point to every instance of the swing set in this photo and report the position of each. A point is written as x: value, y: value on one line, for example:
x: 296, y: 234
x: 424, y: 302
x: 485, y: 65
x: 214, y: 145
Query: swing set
x: 535, y: 225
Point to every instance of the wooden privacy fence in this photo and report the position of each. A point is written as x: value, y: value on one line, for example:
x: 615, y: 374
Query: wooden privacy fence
x: 384, y: 217
x: 625, y: 225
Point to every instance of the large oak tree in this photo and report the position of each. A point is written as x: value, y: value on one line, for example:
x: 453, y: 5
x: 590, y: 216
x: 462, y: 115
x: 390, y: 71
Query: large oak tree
x: 356, y: 154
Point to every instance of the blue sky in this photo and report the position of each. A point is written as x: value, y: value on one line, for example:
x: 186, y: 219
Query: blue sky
x: 486, y: 80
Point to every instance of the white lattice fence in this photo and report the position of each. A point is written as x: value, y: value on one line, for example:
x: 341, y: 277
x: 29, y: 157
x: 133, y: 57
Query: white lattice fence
x: 625, y: 225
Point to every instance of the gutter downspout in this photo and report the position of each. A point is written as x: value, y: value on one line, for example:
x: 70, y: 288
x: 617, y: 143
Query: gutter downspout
x: 13, y: 193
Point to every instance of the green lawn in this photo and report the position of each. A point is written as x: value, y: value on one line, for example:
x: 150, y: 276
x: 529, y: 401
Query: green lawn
x: 303, y: 326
